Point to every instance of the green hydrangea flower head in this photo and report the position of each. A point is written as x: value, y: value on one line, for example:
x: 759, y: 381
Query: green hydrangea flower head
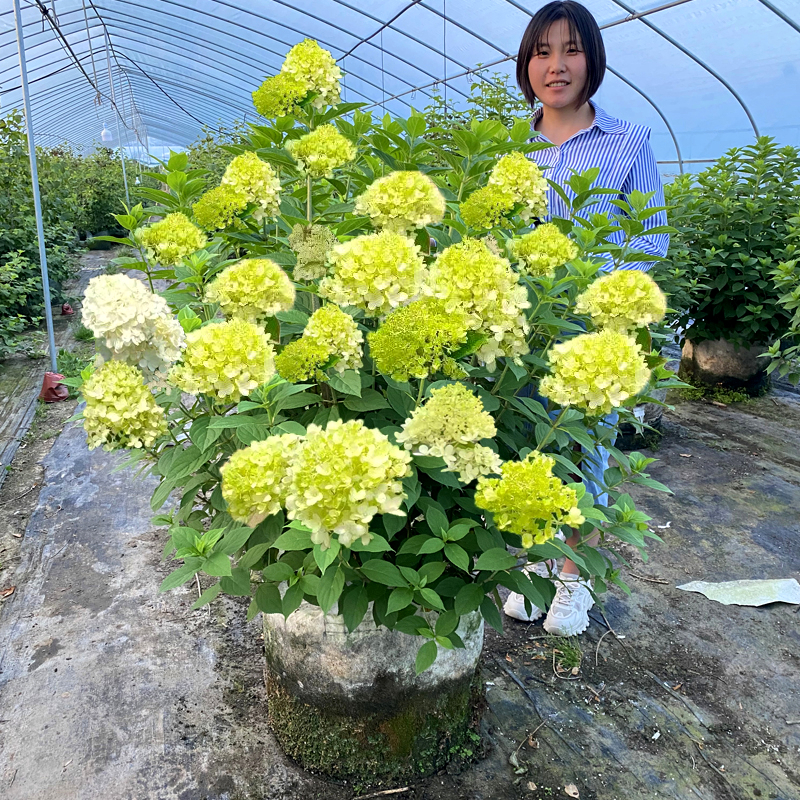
x: 131, y: 323
x: 255, y: 479
x: 219, y: 207
x: 487, y: 207
x: 375, y: 272
x: 303, y: 360
x: 120, y: 410
x: 542, y: 250
x: 401, y: 201
x: 596, y: 372
x: 516, y: 174
x: 338, y: 331
x: 529, y: 500
x: 450, y: 425
x: 310, y: 64
x: 342, y: 476
x: 252, y: 289
x: 173, y: 238
x: 279, y: 95
x: 311, y: 244
x: 225, y: 360
x: 624, y: 299
x: 322, y: 151
x: 257, y: 181
x: 471, y: 279
x: 416, y: 341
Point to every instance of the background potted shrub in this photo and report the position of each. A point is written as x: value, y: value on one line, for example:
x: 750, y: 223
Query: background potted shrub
x: 733, y: 226
x: 337, y: 410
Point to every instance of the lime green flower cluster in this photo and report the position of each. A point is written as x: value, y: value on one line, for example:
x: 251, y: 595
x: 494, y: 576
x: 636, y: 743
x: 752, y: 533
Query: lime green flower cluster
x: 302, y: 360
x: 310, y: 64
x: 279, y: 95
x: 225, y: 360
x: 219, y: 207
x: 173, y: 238
x: 449, y: 425
x: 311, y: 244
x: 597, y: 372
x: 401, y: 201
x: 542, y: 250
x: 120, y: 410
x: 257, y: 181
x: 255, y: 480
x: 131, y: 323
x: 468, y: 277
x: 322, y: 151
x: 339, y: 332
x: 252, y: 289
x: 523, y: 180
x: 529, y: 500
x: 623, y: 300
x: 341, y: 477
x: 376, y: 273
x: 330, y: 333
x: 416, y: 341
x: 487, y: 207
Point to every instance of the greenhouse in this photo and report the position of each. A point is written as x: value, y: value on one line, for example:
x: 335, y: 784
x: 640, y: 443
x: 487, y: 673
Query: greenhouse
x: 399, y: 400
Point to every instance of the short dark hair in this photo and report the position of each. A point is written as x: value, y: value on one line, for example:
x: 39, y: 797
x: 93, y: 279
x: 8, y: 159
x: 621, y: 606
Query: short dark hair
x: 582, y: 25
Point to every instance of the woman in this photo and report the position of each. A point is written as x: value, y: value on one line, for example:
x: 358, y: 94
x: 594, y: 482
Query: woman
x: 561, y: 64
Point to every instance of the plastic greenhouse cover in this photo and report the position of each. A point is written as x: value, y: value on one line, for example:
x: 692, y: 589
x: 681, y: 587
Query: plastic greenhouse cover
x: 706, y: 75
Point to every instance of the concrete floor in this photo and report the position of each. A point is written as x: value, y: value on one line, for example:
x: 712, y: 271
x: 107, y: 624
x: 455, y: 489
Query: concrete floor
x: 110, y: 690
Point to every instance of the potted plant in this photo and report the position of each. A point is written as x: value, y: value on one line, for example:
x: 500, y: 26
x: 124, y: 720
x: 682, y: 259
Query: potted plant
x: 733, y: 225
x: 337, y: 412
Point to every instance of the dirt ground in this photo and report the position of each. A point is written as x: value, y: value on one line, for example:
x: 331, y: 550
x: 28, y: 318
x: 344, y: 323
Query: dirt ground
x: 110, y: 690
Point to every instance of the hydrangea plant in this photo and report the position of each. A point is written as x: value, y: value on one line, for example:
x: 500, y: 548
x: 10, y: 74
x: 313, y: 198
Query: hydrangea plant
x: 390, y: 374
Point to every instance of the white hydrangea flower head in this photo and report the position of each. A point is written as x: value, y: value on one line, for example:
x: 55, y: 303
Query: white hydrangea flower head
x: 341, y: 477
x: 339, y: 333
x: 401, y: 201
x: 522, y: 179
x: 624, y: 300
x: 131, y: 323
x: 315, y: 67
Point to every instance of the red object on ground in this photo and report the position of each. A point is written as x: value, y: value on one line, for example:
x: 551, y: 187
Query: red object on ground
x: 66, y: 310
x: 53, y: 391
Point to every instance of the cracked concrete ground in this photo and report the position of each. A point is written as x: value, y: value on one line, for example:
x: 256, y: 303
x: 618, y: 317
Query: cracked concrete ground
x: 109, y: 690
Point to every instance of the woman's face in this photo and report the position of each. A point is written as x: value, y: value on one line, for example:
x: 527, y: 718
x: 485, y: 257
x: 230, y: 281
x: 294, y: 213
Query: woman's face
x: 557, y: 69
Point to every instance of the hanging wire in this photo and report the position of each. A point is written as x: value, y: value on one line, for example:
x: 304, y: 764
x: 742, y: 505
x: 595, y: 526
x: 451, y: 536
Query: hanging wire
x: 98, y: 100
x: 383, y: 76
x: 444, y: 52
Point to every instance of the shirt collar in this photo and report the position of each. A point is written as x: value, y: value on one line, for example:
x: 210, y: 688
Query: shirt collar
x: 602, y: 120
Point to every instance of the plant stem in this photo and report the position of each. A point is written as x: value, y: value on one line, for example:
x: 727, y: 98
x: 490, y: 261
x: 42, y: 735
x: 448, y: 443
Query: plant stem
x: 550, y: 430
x: 309, y: 209
x: 421, y: 390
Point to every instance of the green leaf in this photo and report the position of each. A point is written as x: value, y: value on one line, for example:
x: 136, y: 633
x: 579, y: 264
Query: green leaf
x: 447, y: 623
x: 202, y: 435
x: 497, y: 558
x: 432, y: 599
x: 393, y: 523
x: 330, y: 588
x: 292, y: 599
x: 370, y: 400
x: 161, y: 494
x: 347, y: 382
x: 294, y: 539
x: 432, y: 570
x: 436, y: 518
x: 457, y: 555
x: 217, y: 564
x: 180, y: 575
x: 253, y: 555
x: 354, y: 607
x: 189, y: 319
x: 469, y: 598
x: 432, y: 545
x: 278, y: 572
x: 383, y: 572
x: 399, y: 599
x: 491, y: 614
x: 234, y: 540
x: 268, y: 599
x: 426, y: 655
x: 325, y: 558
x: 238, y: 584
x: 207, y: 596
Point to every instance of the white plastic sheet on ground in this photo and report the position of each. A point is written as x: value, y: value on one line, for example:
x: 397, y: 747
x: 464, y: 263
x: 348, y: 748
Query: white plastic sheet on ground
x: 748, y: 593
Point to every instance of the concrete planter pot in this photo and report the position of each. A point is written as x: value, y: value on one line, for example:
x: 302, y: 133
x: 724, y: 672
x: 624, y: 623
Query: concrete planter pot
x: 720, y: 363
x: 350, y: 704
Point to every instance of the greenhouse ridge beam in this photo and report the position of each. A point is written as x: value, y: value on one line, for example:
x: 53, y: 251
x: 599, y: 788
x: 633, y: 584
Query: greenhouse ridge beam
x: 790, y: 22
x: 382, y: 28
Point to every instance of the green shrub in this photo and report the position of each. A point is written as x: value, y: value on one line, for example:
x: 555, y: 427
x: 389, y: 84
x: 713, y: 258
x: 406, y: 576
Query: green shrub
x: 733, y: 225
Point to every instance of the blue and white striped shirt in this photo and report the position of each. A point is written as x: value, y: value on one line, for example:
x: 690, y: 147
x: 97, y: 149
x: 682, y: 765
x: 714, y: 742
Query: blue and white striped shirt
x: 622, y: 153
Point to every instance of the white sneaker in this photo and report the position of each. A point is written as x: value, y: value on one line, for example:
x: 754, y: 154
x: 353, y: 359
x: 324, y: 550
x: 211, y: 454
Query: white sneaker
x: 514, y: 607
x: 569, y: 613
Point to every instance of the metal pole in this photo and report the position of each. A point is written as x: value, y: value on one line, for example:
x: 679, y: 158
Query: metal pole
x: 37, y: 203
x: 119, y: 132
